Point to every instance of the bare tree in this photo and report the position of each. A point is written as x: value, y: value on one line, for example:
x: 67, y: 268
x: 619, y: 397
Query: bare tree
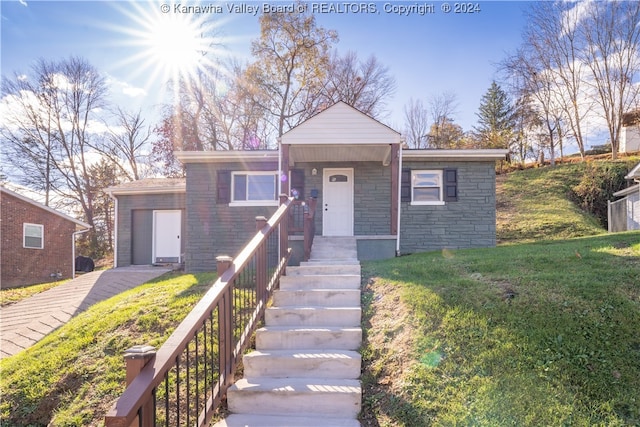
x: 126, y: 143
x: 365, y: 85
x: 442, y: 108
x: 612, y: 32
x: 291, y: 64
x: 416, y: 119
x: 55, y: 111
x: 554, y: 46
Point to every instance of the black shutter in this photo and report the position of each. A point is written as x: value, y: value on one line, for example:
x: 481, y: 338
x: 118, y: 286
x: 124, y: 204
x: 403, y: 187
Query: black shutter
x: 223, y: 187
x: 450, y: 185
x: 405, y: 187
x: 297, y: 182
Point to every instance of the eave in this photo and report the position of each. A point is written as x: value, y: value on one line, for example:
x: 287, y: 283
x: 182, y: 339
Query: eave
x: 473, y: 155
x: 226, y: 156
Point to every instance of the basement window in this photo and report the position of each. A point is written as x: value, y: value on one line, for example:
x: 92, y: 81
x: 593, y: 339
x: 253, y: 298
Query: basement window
x: 33, y: 236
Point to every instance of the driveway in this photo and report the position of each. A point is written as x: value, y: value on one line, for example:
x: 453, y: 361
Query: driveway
x: 26, y: 322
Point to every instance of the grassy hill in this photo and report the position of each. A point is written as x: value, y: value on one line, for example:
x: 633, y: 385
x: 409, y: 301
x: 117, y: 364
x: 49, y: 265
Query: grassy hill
x: 534, y: 204
x: 521, y: 335
x: 541, y: 330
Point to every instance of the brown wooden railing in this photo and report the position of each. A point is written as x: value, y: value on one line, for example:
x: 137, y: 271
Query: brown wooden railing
x: 309, y: 227
x: 183, y: 383
x: 302, y: 221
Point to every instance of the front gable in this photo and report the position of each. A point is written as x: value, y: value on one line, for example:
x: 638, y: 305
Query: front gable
x: 341, y: 124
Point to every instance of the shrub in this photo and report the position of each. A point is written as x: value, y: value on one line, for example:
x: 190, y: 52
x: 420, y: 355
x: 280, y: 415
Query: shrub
x: 596, y: 187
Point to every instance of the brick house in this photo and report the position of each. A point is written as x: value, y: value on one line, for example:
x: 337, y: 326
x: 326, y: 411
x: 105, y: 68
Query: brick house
x: 391, y: 199
x: 38, y: 243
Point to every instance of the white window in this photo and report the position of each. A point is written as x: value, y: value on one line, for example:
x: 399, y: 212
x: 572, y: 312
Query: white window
x: 33, y: 236
x: 254, y: 189
x: 426, y: 187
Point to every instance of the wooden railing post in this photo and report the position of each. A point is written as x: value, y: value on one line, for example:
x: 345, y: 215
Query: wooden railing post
x: 261, y: 263
x: 136, y: 358
x: 223, y: 262
x: 309, y: 226
x: 284, y: 232
x: 225, y: 346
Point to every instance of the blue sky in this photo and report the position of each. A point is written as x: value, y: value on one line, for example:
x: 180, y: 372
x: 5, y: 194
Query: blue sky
x: 427, y: 54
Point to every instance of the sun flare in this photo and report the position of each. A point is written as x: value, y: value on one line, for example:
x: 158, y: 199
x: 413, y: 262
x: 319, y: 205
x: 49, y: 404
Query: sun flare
x: 169, y: 47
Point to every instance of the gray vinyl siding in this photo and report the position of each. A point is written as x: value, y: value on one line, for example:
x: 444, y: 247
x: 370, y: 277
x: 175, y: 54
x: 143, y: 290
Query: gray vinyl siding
x: 467, y: 223
x: 127, y: 204
x: 215, y: 229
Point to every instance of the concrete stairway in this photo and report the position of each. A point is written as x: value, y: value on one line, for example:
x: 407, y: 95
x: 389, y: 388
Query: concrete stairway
x: 305, y: 369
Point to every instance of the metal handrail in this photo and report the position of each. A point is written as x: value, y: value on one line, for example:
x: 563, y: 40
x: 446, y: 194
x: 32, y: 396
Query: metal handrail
x: 212, y: 336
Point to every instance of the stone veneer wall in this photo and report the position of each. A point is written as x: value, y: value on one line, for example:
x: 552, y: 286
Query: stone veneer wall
x: 215, y: 229
x: 149, y: 202
x: 468, y: 223
x: 372, y: 195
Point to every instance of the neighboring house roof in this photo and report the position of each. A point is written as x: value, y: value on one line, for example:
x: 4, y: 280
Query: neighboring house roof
x: 627, y: 191
x: 634, y: 173
x: 45, y: 208
x: 149, y: 186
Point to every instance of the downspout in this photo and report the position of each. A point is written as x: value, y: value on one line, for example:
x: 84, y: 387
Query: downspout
x: 115, y: 229
x: 399, y: 197
x: 73, y: 250
x: 279, y: 139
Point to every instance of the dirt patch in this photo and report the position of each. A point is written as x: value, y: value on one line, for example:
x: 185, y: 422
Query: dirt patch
x: 388, y: 348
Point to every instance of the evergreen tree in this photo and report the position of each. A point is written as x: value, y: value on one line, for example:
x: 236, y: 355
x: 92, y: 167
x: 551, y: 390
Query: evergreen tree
x: 495, y: 119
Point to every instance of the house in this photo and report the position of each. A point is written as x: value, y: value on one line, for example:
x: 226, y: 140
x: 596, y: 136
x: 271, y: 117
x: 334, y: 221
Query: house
x: 624, y: 214
x: 149, y: 221
x: 392, y: 200
x: 630, y: 135
x: 38, y: 243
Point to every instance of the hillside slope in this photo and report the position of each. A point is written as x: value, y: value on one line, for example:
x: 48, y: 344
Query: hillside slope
x: 535, y: 204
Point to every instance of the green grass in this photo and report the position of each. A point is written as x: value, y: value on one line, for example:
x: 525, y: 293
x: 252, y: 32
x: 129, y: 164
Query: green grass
x: 12, y: 295
x: 520, y: 335
x: 533, y: 205
x: 72, y: 376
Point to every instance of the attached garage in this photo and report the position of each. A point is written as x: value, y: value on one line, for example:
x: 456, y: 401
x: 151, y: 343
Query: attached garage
x: 149, y: 222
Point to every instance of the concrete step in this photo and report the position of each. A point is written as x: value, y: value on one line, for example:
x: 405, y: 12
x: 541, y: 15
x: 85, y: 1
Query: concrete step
x: 291, y: 337
x: 291, y: 396
x: 330, y: 261
x: 317, y: 297
x: 323, y: 269
x: 313, y: 316
x: 302, y: 364
x: 248, y: 420
x: 324, y: 281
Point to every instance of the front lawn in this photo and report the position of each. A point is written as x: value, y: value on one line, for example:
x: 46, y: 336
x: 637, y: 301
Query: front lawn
x: 531, y: 334
x: 73, y: 375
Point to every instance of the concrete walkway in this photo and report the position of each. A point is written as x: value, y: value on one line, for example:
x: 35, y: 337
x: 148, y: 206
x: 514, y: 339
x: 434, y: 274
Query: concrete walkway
x: 26, y: 322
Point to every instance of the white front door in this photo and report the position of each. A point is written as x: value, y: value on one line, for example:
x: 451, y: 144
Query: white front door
x: 337, y: 202
x: 167, y: 229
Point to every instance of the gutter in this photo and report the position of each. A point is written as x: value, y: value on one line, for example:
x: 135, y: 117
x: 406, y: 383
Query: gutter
x: 279, y: 140
x: 399, y: 197
x: 115, y: 228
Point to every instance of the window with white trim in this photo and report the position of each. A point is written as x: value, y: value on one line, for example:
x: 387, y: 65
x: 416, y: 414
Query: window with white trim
x: 426, y: 187
x: 254, y: 188
x: 33, y: 236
